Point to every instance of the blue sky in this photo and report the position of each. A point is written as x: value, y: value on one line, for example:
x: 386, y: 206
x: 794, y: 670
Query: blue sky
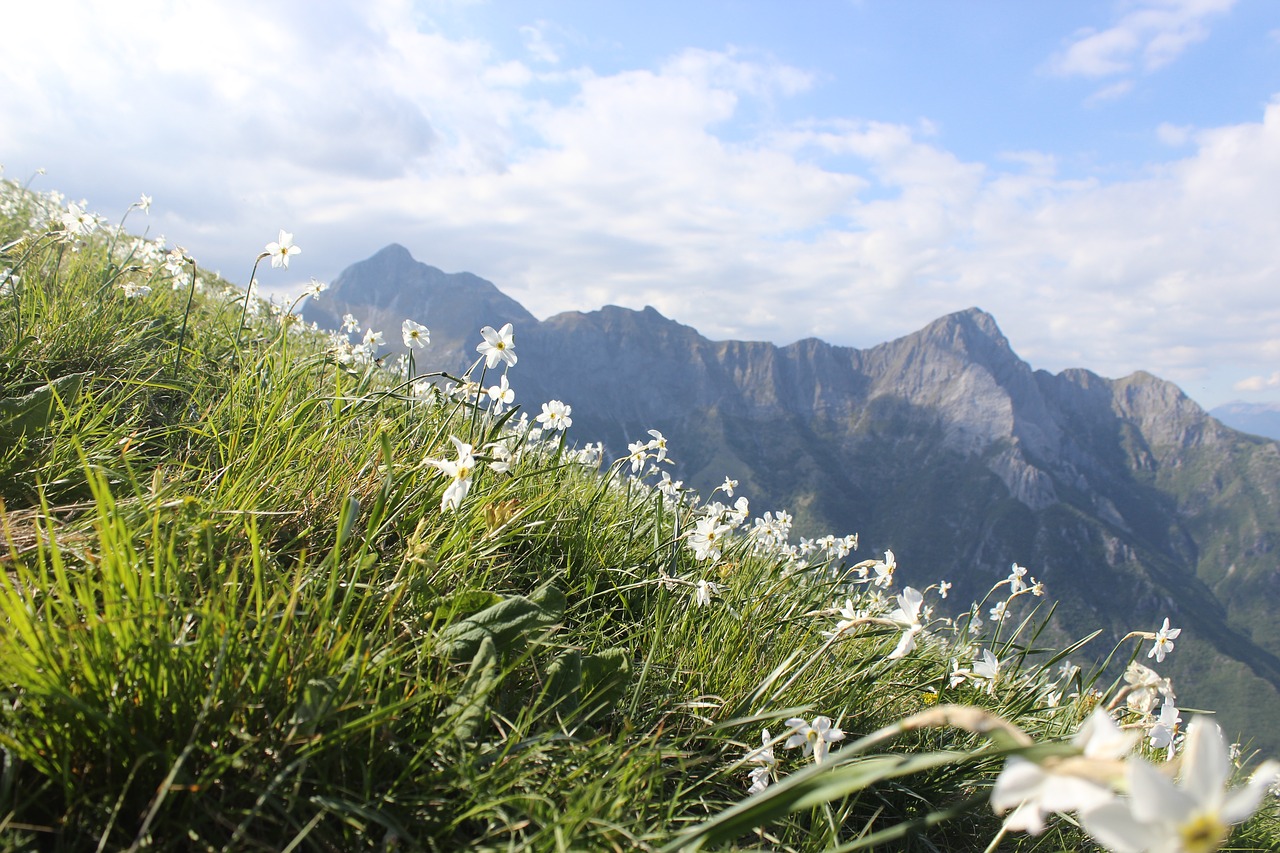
x: 1103, y: 177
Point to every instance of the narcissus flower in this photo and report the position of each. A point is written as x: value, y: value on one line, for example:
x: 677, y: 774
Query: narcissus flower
x: 372, y: 340
x: 555, y: 415
x: 501, y: 394
x: 1163, y: 641
x: 884, y: 570
x: 497, y: 346
x: 986, y: 667
x: 813, y: 737
x: 703, y: 590
x: 762, y: 775
x: 78, y: 221
x: 415, y: 335
x: 1193, y: 815
x: 706, y: 538
x: 658, y: 445
x: 908, y: 616
x: 459, y: 470
x: 281, y: 250
x: 1062, y: 785
x: 1016, y: 582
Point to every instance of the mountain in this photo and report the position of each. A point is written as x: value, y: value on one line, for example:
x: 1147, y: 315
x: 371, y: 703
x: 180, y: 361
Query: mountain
x: 1258, y: 418
x: 1124, y: 497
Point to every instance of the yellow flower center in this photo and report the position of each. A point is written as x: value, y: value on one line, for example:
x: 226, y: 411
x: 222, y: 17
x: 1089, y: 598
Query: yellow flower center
x: 1204, y: 833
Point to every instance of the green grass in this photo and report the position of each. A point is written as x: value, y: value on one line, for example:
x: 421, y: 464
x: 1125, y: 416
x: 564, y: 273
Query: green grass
x: 235, y: 615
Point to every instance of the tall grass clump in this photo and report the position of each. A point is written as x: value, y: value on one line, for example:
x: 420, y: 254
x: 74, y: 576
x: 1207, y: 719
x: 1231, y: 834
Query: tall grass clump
x: 261, y: 592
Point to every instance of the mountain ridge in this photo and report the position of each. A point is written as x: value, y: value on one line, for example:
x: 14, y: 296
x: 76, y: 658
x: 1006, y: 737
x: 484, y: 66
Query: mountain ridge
x: 1123, y: 495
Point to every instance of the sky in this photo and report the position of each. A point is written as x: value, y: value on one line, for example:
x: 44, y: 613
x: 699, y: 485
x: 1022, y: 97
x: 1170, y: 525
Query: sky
x: 1103, y: 176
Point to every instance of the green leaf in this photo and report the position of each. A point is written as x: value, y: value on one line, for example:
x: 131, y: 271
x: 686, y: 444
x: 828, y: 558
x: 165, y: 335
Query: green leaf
x: 506, y: 624
x: 467, y: 709
x: 605, y: 677
x: 34, y: 412
x: 564, y: 682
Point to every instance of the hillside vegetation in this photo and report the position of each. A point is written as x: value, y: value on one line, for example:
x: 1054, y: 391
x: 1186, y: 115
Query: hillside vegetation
x: 262, y: 591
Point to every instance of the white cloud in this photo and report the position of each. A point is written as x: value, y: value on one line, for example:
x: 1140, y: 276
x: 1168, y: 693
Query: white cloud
x: 643, y: 187
x: 1150, y: 35
x: 539, y: 46
x: 1258, y: 383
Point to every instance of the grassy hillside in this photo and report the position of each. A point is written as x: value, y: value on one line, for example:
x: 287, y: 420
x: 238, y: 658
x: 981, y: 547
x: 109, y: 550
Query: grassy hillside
x: 261, y: 592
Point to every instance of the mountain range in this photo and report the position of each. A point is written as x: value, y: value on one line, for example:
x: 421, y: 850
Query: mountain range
x: 1258, y: 418
x: 1129, y: 501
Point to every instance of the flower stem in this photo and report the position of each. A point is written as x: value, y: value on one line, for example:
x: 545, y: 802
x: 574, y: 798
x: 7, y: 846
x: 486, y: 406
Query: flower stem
x: 182, y: 336
x: 248, y: 293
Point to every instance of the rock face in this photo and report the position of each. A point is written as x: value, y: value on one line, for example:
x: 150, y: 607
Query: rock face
x: 1127, y: 499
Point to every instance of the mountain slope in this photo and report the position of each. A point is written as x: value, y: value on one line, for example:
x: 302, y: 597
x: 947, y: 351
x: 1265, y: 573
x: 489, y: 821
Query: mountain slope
x: 1123, y: 496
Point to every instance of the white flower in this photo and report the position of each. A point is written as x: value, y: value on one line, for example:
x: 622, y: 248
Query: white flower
x: 658, y: 445
x: 728, y: 486
x: 702, y: 592
x: 497, y: 346
x: 737, y: 516
x: 1067, y: 671
x: 1164, y: 641
x: 1162, y: 733
x: 78, y: 221
x: 637, y: 454
x: 133, y: 291
x: 943, y: 588
x: 669, y: 487
x: 459, y: 470
x: 1144, y: 685
x: 501, y: 394
x: 1193, y: 816
x: 1061, y: 785
x: 908, y: 616
x: 555, y: 415
x: 1016, y: 574
x: 706, y: 537
x: 763, y: 755
x: 174, y: 264
x: 280, y: 250
x: 144, y: 203
x: 350, y: 323
x: 372, y: 340
x: 502, y: 457
x: 415, y: 335
x: 884, y: 570
x: 849, y: 616
x: 813, y: 737
x: 315, y: 288
x: 986, y: 667
x: 1000, y: 611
